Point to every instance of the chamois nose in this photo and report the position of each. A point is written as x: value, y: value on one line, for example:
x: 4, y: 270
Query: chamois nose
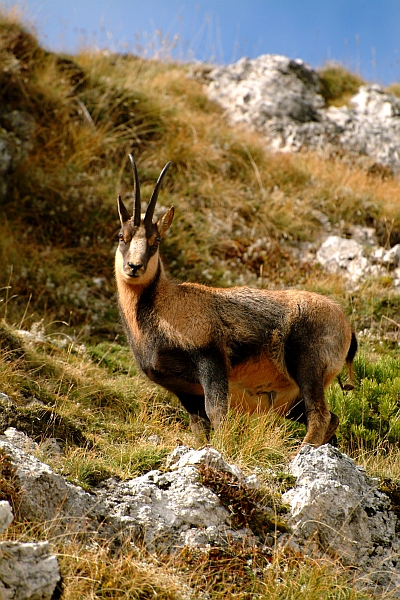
x: 134, y: 268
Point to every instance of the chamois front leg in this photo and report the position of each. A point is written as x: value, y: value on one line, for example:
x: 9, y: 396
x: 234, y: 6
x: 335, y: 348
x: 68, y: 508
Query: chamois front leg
x: 213, y: 377
x: 199, y: 421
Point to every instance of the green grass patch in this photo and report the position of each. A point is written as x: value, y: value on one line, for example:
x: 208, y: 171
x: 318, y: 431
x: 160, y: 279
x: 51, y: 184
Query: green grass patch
x: 338, y: 84
x: 369, y: 414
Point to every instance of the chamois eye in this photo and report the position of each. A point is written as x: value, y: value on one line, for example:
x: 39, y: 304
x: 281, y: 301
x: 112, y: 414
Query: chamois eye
x: 121, y: 237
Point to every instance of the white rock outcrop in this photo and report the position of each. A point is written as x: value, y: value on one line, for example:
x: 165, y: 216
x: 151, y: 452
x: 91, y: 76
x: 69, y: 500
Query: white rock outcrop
x: 356, y: 261
x: 335, y: 507
x: 162, y: 510
x: 280, y: 98
x: 45, y: 495
x: 28, y: 570
x: 173, y: 510
x: 6, y: 516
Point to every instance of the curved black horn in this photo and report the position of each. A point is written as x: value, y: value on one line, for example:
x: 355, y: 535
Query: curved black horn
x: 136, y: 193
x: 150, y: 209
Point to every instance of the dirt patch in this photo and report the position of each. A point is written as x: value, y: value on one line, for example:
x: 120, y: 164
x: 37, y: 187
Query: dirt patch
x: 39, y: 423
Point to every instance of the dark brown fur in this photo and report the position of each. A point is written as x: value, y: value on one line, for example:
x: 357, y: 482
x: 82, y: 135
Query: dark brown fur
x: 256, y: 350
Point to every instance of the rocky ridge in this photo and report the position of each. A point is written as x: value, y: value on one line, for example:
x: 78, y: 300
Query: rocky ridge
x: 281, y: 98
x: 171, y: 509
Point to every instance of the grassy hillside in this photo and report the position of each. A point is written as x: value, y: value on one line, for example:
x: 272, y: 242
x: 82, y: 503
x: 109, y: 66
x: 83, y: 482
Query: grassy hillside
x: 240, y: 216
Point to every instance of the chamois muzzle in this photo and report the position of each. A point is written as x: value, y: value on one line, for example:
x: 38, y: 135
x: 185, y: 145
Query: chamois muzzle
x: 134, y: 269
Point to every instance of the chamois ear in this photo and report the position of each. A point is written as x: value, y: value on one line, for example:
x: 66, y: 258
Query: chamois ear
x: 165, y: 221
x: 123, y: 213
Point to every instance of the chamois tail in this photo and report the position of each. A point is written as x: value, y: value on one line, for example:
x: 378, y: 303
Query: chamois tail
x: 349, y: 362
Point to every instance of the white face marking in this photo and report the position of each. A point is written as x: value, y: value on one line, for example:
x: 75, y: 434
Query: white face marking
x: 137, y: 250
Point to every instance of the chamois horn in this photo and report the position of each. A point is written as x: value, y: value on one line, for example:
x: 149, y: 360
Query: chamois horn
x: 136, y: 192
x: 148, y: 219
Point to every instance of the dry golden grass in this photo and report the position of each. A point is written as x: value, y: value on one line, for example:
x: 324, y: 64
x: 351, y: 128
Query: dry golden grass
x: 258, y: 442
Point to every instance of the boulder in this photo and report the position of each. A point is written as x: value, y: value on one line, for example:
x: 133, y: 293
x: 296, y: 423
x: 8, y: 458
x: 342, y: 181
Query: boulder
x: 28, y: 571
x: 162, y: 510
x: 44, y: 495
x: 6, y: 516
x: 339, y: 255
x: 336, y: 508
x: 280, y: 98
x: 16, y: 135
x: 355, y: 260
x: 174, y: 509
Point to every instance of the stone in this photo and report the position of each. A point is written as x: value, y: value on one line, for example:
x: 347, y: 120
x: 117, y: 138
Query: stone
x: 16, y: 134
x: 5, y: 398
x: 154, y: 439
x: 164, y: 511
x: 280, y: 98
x: 337, y: 507
x: 28, y: 571
x: 392, y: 257
x: 334, y: 508
x: 174, y: 509
x: 356, y: 260
x: 6, y: 515
x: 208, y: 456
x: 340, y: 255
x: 20, y: 440
x: 366, y: 236
x: 45, y: 495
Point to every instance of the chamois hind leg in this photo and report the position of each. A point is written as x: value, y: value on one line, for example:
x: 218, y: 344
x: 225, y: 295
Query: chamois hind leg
x: 297, y: 413
x: 199, y: 421
x: 333, y: 425
x: 318, y: 416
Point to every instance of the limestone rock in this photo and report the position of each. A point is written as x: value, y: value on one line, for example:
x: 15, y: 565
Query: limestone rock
x: 333, y: 507
x: 276, y: 96
x: 163, y: 510
x: 20, y: 440
x: 392, y: 256
x: 27, y: 571
x: 280, y: 98
x: 174, y: 509
x: 6, y: 515
x: 357, y: 258
x: 46, y: 496
x: 16, y: 134
x: 339, y: 255
x: 338, y: 507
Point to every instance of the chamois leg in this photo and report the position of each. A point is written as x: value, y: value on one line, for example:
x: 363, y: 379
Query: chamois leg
x: 214, y: 380
x: 318, y: 415
x: 333, y: 425
x: 298, y: 413
x: 199, y: 421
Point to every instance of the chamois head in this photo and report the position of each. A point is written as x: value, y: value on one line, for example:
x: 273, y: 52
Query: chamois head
x: 137, y: 254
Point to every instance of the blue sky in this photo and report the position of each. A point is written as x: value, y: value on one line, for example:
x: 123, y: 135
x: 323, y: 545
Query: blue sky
x: 363, y: 35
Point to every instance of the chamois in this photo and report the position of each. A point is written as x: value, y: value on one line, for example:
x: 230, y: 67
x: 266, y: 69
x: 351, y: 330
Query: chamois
x: 256, y: 350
